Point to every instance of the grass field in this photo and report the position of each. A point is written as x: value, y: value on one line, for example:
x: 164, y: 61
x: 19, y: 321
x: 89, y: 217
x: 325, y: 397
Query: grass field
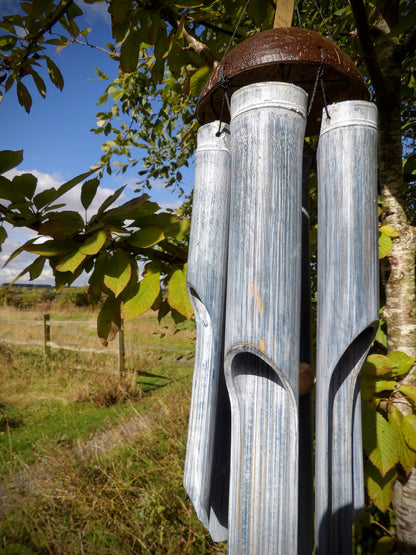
x: 91, y: 462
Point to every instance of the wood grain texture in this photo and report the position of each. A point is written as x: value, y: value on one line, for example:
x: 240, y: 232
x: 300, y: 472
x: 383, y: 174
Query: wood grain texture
x: 347, y: 312
x: 263, y: 316
x: 207, y: 455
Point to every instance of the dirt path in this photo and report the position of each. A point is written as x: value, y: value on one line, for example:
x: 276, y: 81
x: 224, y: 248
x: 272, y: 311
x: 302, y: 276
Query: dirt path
x: 36, y: 478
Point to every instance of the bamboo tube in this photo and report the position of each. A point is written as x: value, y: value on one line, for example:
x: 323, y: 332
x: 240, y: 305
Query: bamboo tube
x: 263, y: 316
x: 347, y: 312
x: 207, y: 455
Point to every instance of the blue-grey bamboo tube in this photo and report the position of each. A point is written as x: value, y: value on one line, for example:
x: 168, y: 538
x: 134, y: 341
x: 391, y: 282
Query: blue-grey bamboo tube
x: 348, y: 299
x: 206, y: 282
x: 263, y: 316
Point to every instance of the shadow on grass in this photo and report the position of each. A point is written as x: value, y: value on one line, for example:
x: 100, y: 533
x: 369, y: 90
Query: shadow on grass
x: 150, y: 382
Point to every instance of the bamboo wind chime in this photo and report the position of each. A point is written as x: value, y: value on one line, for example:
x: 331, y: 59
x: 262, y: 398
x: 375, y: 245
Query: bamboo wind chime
x: 248, y: 468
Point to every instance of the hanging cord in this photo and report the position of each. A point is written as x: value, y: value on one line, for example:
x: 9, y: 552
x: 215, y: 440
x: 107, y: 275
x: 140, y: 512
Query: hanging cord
x: 323, y: 20
x: 319, y: 81
x: 224, y: 82
x: 298, y: 14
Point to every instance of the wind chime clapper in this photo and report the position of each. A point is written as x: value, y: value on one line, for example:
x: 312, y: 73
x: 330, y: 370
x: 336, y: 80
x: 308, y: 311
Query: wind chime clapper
x: 242, y: 464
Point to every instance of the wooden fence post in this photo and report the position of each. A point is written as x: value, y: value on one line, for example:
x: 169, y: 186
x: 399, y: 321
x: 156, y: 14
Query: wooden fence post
x: 121, y: 350
x: 46, y: 336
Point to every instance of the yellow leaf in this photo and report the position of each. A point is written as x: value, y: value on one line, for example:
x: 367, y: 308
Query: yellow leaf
x: 142, y: 297
x: 380, y: 440
x: 407, y: 456
x: 177, y: 294
x: 379, y: 488
x: 389, y: 230
x: 94, y: 243
x: 70, y: 262
x: 385, y: 244
x: 117, y: 272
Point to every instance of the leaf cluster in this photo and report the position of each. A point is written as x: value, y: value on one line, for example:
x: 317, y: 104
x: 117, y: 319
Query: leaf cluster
x: 112, y: 246
x: 389, y: 434
x: 25, y: 40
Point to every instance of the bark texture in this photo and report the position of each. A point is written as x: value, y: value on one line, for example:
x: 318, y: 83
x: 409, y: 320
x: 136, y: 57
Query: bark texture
x: 384, y: 58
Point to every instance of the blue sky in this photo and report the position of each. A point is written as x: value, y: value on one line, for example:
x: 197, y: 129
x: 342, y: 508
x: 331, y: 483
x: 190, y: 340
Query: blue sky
x: 56, y: 137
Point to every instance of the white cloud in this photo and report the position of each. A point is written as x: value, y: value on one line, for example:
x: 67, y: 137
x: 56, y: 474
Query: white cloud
x: 92, y: 12
x: 72, y: 198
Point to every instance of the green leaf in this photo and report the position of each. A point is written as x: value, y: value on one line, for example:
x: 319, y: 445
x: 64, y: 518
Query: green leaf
x: 129, y: 53
x: 142, y: 297
x: 70, y: 262
x: 257, y: 11
x: 73, y: 182
x: 199, y: 78
x: 62, y: 224
x: 381, y: 336
x: 8, y: 192
x: 158, y: 71
x: 39, y: 82
x: 385, y: 244
x: 189, y: 4
x: 93, y: 244
x: 55, y: 74
x: 109, y: 320
x: 407, y: 457
x: 153, y: 267
x: 389, y: 230
x: 161, y: 49
x: 117, y: 272
x: 178, y: 295
x: 377, y: 365
x: 96, y: 279
x: 88, y: 191
x: 35, y: 269
x: 45, y: 197
x: 109, y: 201
x: 379, y: 488
x: 23, y: 96
x: 146, y: 237
x: 3, y: 236
x: 119, y: 11
x: 409, y: 391
x: 385, y: 545
x: 7, y: 42
x: 379, y: 440
x: 50, y: 248
x: 384, y: 385
x: 409, y: 430
x: 26, y: 184
x: 405, y: 23
x: 402, y: 362
x: 172, y: 225
x: 126, y: 210
x: 10, y: 159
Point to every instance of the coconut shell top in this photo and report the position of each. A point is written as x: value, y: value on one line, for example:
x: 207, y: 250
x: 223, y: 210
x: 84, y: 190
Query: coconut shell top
x: 288, y: 54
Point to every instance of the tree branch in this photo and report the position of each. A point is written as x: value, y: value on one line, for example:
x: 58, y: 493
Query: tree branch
x: 369, y: 53
x: 200, y: 48
x: 197, y: 46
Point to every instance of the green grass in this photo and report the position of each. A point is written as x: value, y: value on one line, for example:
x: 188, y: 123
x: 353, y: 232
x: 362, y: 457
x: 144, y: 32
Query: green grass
x: 126, y: 498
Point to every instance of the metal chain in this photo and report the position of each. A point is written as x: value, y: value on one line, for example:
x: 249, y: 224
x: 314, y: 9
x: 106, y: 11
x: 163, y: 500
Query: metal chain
x: 224, y: 81
x: 319, y: 81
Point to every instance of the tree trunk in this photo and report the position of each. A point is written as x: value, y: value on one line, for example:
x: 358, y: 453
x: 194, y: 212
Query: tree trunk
x: 399, y: 270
